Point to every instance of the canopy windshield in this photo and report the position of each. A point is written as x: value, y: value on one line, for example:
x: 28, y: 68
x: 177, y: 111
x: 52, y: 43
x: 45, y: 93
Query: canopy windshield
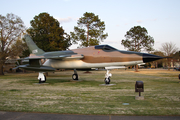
x: 105, y: 47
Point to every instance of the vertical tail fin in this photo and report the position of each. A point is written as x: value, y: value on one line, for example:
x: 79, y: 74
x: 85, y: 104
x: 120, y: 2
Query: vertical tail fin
x: 33, y: 48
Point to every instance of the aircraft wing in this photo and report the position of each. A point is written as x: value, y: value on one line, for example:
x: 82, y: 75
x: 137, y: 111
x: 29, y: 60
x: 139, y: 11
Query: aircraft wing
x: 36, y: 65
x: 60, y: 57
x: 69, y: 57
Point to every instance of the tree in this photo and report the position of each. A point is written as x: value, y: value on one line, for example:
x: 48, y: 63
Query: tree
x: 90, y: 30
x: 18, y: 48
x: 47, y: 33
x: 169, y: 49
x: 176, y: 58
x: 177, y: 55
x: 137, y: 39
x: 11, y: 29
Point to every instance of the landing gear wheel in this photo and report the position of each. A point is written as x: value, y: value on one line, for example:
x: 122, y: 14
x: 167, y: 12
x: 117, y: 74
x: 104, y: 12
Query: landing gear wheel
x: 45, y: 78
x: 107, y: 80
x: 75, y: 76
x: 40, y: 80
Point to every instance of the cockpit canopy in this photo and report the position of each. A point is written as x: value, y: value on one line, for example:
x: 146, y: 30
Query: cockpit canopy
x: 105, y: 47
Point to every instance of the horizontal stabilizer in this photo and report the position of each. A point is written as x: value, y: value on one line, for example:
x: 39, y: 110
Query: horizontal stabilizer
x: 37, y: 68
x: 61, y: 57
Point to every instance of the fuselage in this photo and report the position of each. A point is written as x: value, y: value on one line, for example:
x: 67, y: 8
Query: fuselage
x: 83, y: 58
x: 96, y: 57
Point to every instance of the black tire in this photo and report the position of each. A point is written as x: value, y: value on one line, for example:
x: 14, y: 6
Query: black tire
x: 75, y: 76
x: 40, y: 80
x: 107, y: 82
x: 45, y: 78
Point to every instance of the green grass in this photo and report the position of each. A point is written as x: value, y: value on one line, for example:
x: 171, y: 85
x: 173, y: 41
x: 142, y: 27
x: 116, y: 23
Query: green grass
x: 18, y: 92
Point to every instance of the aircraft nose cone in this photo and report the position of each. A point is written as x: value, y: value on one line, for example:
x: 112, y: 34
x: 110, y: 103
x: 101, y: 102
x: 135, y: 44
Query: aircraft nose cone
x: 150, y: 57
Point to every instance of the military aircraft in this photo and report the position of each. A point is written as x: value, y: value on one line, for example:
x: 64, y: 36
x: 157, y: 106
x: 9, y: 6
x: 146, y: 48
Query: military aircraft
x: 99, y: 56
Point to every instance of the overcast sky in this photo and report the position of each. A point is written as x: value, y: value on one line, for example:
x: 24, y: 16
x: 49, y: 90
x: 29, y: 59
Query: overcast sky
x: 161, y: 18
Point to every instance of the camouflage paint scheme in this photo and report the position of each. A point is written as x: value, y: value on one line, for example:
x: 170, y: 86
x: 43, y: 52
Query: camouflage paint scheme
x: 94, y: 58
x: 82, y: 58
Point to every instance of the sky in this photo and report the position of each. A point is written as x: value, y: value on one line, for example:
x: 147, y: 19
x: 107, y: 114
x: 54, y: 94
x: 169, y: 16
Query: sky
x: 161, y: 18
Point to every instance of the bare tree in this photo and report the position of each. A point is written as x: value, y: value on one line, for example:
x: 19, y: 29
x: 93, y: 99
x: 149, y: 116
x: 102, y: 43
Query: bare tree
x: 11, y: 28
x: 169, y: 49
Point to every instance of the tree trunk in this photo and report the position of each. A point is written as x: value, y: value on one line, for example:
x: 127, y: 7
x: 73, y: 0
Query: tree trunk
x: 169, y: 64
x: 87, y: 36
x: 136, y: 68
x: 1, y: 69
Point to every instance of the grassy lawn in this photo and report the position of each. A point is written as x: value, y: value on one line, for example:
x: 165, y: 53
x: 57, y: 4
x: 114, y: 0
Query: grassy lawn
x: 19, y: 92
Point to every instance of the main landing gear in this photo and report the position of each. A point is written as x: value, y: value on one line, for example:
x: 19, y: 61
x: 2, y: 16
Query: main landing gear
x: 41, y: 77
x: 75, y: 75
x: 107, y: 79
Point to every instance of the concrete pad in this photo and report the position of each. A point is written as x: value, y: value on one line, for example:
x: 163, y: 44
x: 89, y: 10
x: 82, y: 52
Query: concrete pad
x: 139, y: 97
x: 75, y: 80
x: 107, y: 84
x: 41, y: 83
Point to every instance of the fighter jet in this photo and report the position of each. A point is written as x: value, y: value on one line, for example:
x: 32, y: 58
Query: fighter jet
x: 99, y: 56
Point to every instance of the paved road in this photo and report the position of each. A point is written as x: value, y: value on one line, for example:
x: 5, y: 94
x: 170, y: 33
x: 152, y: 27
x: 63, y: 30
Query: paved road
x: 46, y: 116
